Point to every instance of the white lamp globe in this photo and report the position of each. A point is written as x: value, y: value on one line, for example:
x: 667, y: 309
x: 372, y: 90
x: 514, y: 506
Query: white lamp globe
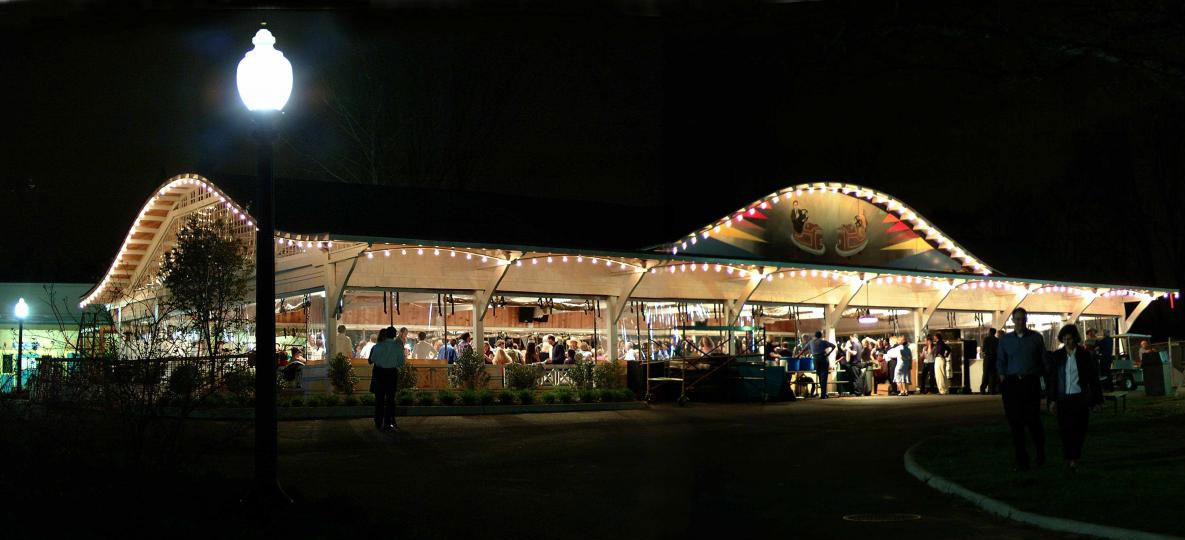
x: 21, y: 310
x: 264, y: 77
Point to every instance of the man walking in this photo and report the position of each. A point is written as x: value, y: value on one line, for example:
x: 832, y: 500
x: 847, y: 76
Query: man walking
x: 820, y: 350
x: 1020, y: 362
x: 987, y: 353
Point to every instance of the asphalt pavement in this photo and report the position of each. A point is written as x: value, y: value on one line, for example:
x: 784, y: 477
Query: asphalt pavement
x: 707, y: 470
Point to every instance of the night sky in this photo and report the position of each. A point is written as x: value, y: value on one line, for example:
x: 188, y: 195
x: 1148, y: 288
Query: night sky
x: 1047, y: 138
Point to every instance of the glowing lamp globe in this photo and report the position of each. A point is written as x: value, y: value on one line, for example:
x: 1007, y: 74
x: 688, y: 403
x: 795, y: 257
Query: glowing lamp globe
x: 264, y: 77
x: 21, y: 310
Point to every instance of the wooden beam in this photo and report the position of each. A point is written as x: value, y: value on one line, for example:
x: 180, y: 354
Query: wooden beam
x: 1125, y: 324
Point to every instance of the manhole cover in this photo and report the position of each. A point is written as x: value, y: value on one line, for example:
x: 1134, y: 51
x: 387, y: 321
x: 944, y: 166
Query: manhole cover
x: 881, y: 518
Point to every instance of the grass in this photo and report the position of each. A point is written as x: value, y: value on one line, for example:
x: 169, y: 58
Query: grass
x: 1133, y: 463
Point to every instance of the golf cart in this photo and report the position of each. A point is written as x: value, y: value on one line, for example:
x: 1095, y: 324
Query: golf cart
x: 1124, y: 373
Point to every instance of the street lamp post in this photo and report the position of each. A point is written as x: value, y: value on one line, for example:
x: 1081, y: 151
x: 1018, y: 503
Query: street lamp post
x: 264, y: 80
x: 21, y: 311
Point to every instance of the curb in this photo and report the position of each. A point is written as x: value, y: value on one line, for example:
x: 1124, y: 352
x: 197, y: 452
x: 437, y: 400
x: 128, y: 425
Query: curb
x: 366, y: 411
x: 993, y: 506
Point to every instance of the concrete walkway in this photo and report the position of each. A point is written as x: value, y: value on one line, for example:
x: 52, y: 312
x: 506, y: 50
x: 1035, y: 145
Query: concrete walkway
x: 785, y: 469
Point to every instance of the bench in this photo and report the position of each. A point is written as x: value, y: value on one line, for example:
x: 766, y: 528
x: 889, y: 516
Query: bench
x: 1117, y: 397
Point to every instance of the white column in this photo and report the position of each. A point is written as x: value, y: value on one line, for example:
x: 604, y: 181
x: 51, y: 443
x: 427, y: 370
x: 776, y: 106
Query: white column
x: 614, y: 312
x: 479, y: 328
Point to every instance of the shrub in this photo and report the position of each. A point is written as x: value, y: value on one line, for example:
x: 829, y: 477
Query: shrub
x: 296, y: 401
x: 341, y: 374
x: 368, y: 400
x: 425, y: 397
x: 408, y: 378
x: 485, y: 397
x: 588, y: 396
x: 183, y: 381
x: 469, y: 371
x: 405, y: 397
x: 331, y: 400
x: 566, y: 396
x: 446, y: 397
x: 215, y: 400
x: 526, y: 397
x: 239, y: 381
x: 523, y: 377
x: 504, y: 397
x: 350, y: 400
x: 609, y: 374
x: 607, y: 395
x: 581, y: 374
x: 550, y: 397
x: 625, y: 394
x: 468, y: 397
x: 314, y: 401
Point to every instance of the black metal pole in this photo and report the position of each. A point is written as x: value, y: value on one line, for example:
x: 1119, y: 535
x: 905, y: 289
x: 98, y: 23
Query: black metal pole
x: 266, y: 473
x: 20, y: 344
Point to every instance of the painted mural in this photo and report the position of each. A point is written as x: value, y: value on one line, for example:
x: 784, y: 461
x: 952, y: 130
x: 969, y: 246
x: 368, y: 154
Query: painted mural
x: 825, y: 227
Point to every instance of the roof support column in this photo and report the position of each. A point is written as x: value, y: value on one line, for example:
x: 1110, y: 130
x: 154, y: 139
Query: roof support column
x: 338, y: 268
x: 1086, y: 302
x: 1001, y: 317
x: 481, y: 298
x: 617, y: 306
x: 927, y: 313
x: 832, y: 313
x: 734, y: 307
x: 1125, y: 324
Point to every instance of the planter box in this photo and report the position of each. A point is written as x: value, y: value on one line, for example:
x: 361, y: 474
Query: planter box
x: 366, y: 411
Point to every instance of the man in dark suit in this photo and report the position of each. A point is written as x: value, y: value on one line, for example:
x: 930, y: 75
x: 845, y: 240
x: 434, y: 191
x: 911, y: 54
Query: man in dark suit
x: 1074, y: 389
x: 559, y: 351
x: 1020, y: 361
x: 991, y: 378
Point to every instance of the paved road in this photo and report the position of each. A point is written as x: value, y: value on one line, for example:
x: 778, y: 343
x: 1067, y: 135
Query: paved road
x: 744, y: 471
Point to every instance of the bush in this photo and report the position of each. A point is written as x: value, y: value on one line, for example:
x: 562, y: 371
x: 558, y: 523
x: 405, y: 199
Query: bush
x: 350, y: 401
x: 341, y: 374
x: 526, y: 397
x: 523, y: 377
x: 332, y: 400
x: 239, y: 381
x: 607, y: 395
x: 405, y: 397
x: 566, y: 396
x: 469, y: 371
x: 625, y: 394
x: 485, y: 397
x: 550, y: 397
x: 183, y: 381
x: 588, y: 396
x: 314, y: 401
x: 408, y: 378
x: 505, y: 397
x: 446, y: 397
x: 297, y: 401
x: 215, y: 400
x: 609, y: 374
x: 368, y: 400
x: 425, y: 397
x: 468, y: 397
x: 581, y: 374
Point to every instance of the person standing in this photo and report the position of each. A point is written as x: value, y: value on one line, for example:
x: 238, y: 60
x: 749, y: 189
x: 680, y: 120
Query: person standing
x: 344, y: 344
x: 1073, y: 391
x: 821, y: 349
x: 448, y: 351
x: 423, y: 350
x: 926, y: 377
x: 941, y: 364
x: 987, y: 353
x: 1020, y: 362
x: 559, y: 351
x: 901, y: 358
x: 1104, y: 348
x: 387, y: 357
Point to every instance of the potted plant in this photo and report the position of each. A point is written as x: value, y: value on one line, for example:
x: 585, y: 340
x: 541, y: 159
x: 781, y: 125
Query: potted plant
x: 341, y: 374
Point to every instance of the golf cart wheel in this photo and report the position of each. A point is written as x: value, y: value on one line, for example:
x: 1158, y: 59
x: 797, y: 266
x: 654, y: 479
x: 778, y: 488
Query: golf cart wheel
x: 682, y: 401
x: 1128, y: 382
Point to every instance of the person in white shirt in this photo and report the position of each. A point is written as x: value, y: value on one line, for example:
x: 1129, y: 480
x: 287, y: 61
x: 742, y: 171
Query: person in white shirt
x: 344, y: 344
x: 1073, y: 390
x: 423, y: 350
x: 364, y: 352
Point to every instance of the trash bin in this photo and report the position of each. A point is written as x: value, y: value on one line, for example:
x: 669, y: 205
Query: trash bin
x: 1157, y: 378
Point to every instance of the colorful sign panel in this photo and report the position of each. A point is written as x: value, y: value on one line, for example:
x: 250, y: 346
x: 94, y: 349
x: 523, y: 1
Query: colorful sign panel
x: 825, y: 227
